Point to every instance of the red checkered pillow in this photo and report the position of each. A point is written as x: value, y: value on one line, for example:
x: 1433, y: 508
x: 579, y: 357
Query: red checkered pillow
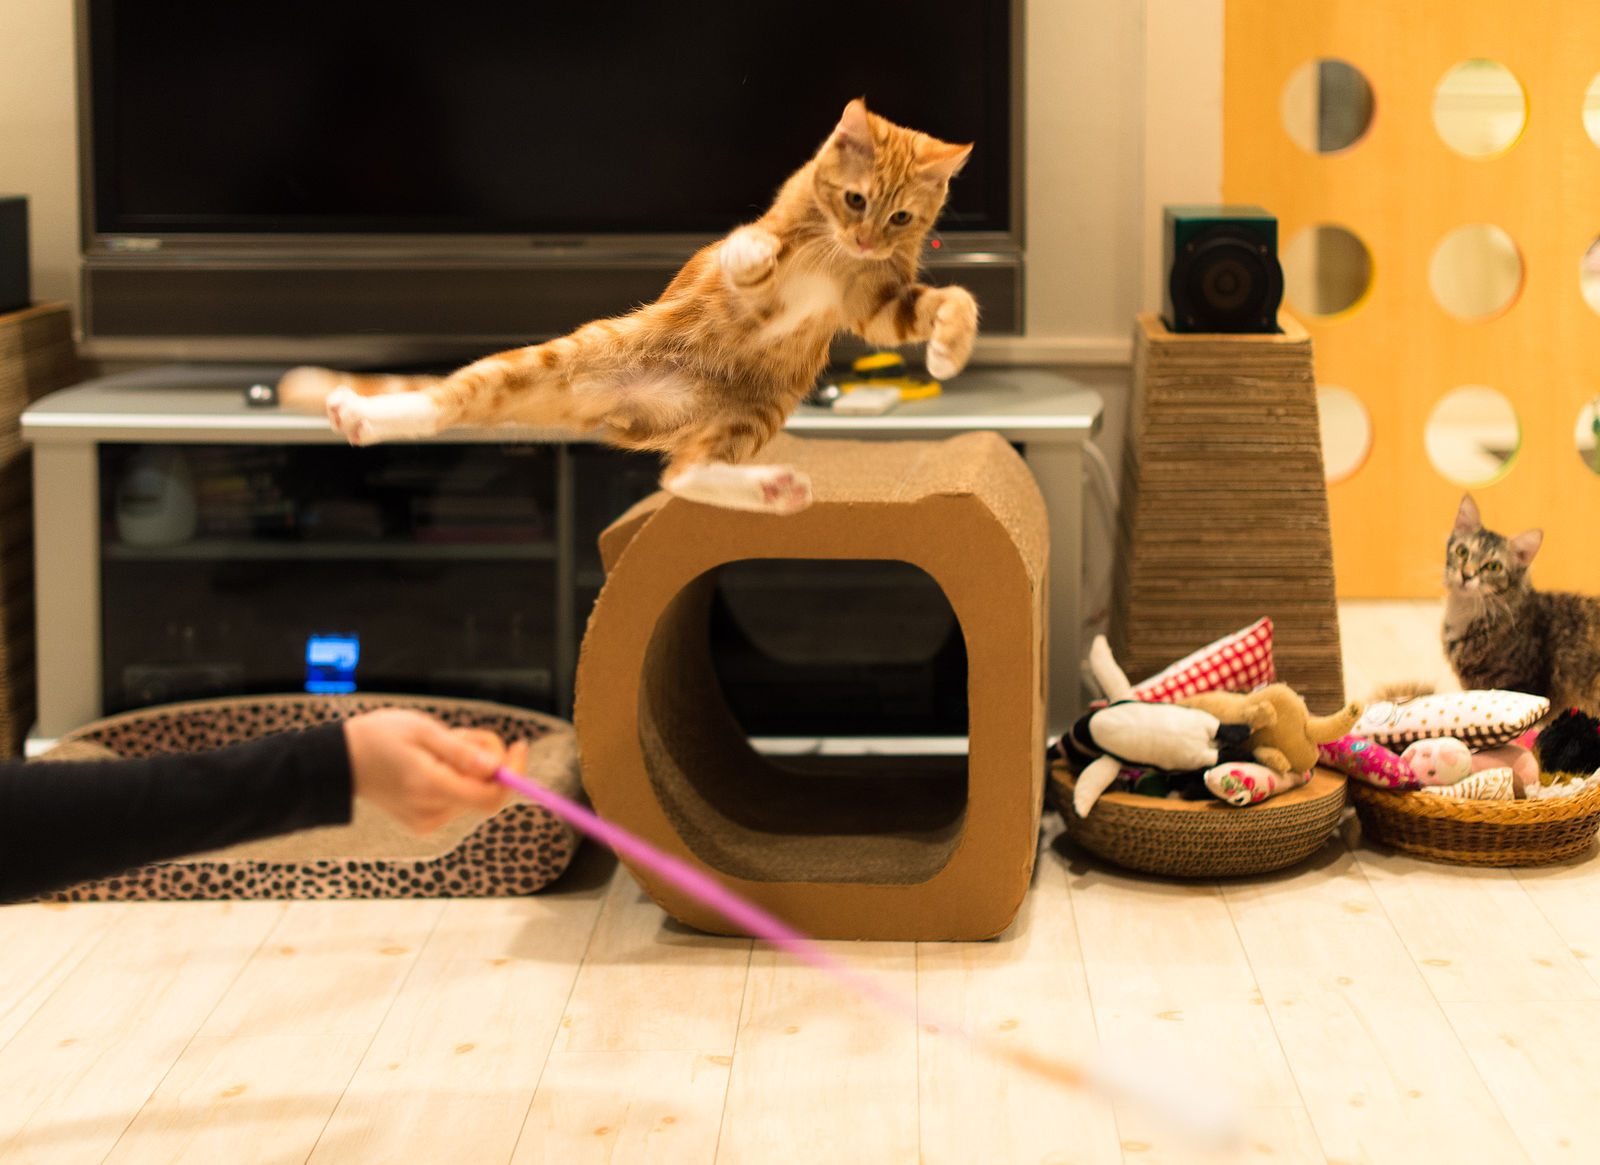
x: 1235, y: 663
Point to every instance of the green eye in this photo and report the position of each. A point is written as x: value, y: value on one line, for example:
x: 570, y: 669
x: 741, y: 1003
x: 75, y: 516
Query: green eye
x: 1491, y: 566
x: 900, y: 217
x: 1461, y: 551
x: 855, y: 200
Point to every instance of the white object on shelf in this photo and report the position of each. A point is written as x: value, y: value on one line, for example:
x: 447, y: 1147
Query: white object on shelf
x: 867, y: 402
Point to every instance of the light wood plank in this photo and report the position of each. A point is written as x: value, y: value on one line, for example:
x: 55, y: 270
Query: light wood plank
x: 43, y: 943
x: 1175, y: 998
x: 650, y: 985
x: 664, y: 1108
x: 467, y: 1036
x: 1380, y: 1069
x: 1283, y: 1136
x: 1567, y: 896
x: 1475, y: 933
x: 820, y: 1074
x: 1158, y: 945
x: 1026, y: 989
x: 263, y: 1073
x: 1542, y: 1063
x: 77, y: 1071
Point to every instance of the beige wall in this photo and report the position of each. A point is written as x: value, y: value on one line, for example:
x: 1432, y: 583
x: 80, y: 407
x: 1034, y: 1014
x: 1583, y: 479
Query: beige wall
x: 1095, y: 160
x: 38, y: 135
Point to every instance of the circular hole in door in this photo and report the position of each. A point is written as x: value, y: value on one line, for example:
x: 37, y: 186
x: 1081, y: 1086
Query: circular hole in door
x: 1472, y: 435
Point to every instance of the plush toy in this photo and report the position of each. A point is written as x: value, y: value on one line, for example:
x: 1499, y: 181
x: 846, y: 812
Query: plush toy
x: 1523, y: 764
x: 1485, y: 785
x: 1368, y: 761
x: 1569, y: 747
x: 1246, y: 783
x: 1284, y: 735
x: 1159, y: 736
x: 1443, y: 760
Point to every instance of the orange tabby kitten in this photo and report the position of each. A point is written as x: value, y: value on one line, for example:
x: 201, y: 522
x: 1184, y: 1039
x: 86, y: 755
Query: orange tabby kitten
x: 711, y: 370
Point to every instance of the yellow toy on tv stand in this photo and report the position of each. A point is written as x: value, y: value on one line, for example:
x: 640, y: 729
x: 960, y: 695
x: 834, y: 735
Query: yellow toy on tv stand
x: 888, y: 370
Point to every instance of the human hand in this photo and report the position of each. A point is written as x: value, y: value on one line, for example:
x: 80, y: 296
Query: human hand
x: 422, y: 773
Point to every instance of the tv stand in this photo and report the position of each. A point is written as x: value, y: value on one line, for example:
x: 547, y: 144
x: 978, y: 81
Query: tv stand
x: 194, y: 407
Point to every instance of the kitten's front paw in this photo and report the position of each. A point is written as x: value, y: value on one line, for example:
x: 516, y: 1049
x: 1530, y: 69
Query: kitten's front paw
x: 748, y: 255
x: 955, y: 328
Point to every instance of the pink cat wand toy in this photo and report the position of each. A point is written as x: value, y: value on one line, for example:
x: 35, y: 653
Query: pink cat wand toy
x: 1137, y: 1086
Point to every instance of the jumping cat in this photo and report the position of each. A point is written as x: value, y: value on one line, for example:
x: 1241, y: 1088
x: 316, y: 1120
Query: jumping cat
x: 711, y: 370
x: 1499, y: 632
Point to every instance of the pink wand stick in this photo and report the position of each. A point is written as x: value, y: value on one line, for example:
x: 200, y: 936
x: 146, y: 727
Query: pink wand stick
x: 1208, y: 1123
x: 735, y: 908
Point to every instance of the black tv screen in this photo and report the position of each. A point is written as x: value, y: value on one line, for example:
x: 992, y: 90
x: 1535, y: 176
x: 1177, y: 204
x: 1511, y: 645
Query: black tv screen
x: 503, y: 117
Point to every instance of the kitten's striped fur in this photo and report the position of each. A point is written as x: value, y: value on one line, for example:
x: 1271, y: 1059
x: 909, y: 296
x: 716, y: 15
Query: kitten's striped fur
x: 710, y: 371
x: 1499, y: 632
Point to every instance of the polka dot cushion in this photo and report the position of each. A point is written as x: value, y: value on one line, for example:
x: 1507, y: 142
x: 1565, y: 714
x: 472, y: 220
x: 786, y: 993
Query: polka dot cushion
x: 1235, y: 663
x: 1481, y: 719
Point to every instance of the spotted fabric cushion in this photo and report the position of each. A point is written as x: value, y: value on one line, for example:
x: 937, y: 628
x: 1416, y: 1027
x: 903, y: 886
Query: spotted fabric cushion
x: 518, y: 850
x: 1480, y: 719
x: 1235, y: 663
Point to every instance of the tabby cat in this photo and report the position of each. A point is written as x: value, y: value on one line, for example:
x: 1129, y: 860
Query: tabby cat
x: 1499, y: 632
x: 710, y: 371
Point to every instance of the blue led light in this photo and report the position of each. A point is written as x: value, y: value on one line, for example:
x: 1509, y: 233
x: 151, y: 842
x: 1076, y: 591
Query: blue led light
x: 331, y: 663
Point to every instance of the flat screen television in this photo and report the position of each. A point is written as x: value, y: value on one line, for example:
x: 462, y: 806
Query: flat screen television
x: 368, y: 181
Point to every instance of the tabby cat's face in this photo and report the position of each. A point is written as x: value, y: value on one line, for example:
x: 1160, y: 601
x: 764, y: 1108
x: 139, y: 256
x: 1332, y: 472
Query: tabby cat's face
x: 1479, y: 561
x: 879, y: 186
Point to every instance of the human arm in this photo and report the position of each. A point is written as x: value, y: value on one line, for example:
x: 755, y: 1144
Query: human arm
x: 65, y: 822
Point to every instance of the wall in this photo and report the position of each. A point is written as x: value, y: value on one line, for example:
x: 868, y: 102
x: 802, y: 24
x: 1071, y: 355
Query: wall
x: 1124, y: 114
x: 38, y: 135
x: 1090, y: 161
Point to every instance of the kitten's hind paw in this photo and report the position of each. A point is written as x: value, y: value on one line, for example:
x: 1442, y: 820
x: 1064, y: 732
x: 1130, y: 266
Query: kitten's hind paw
x: 762, y: 489
x: 364, y: 420
x: 346, y: 416
x: 785, y: 490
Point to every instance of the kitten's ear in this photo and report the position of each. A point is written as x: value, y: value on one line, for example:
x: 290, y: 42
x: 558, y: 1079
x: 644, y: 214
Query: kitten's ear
x: 1526, y: 545
x: 941, y: 160
x: 854, y: 131
x: 1467, y: 520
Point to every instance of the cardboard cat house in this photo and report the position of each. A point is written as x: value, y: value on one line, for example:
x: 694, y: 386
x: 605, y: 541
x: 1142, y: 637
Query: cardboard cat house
x: 901, y: 855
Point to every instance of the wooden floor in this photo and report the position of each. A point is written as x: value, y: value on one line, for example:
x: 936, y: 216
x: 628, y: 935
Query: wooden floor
x: 1362, y: 1008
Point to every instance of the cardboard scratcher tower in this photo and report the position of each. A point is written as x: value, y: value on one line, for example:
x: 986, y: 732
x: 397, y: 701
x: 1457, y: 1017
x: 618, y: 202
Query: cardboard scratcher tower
x: 1225, y: 507
x: 905, y: 855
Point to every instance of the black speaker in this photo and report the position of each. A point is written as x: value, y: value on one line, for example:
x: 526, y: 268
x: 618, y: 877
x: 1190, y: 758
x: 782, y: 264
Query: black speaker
x: 1222, y: 269
x: 14, y: 290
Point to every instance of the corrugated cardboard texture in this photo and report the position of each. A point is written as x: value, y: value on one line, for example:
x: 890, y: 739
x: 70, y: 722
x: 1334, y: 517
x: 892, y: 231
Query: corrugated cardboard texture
x: 871, y: 855
x: 37, y: 356
x: 1224, y: 506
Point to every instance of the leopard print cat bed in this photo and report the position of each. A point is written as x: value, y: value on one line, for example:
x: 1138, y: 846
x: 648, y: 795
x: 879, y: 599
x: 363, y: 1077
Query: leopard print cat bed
x: 517, y: 850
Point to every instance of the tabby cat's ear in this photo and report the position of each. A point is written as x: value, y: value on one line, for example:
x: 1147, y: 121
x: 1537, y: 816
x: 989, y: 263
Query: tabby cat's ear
x: 941, y: 160
x: 1526, y: 545
x: 854, y: 131
x: 1467, y: 520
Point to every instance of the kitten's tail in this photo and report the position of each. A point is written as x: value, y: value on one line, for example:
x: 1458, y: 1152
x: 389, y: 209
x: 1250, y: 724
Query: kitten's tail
x: 306, y: 389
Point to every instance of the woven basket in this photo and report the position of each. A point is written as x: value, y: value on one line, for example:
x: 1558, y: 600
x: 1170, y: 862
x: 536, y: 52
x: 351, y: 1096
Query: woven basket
x: 1479, y: 833
x: 1205, y: 839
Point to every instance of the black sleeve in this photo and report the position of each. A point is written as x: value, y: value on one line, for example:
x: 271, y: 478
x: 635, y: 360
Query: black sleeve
x: 66, y: 822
